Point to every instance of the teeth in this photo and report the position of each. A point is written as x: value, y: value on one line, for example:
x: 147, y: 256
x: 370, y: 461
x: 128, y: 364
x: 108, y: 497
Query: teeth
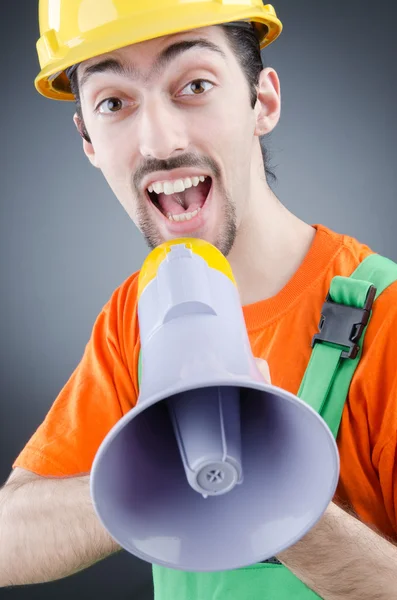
x: 175, y: 187
x: 183, y: 216
x: 168, y: 187
x: 158, y: 188
x: 178, y: 186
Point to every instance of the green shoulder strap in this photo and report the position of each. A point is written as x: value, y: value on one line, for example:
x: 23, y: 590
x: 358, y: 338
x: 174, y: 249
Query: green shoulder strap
x: 336, y: 352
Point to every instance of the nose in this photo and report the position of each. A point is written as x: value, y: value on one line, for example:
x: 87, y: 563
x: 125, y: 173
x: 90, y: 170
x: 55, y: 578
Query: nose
x: 162, y: 131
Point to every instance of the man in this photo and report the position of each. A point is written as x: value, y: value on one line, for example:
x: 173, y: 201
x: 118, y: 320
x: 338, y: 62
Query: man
x: 171, y: 106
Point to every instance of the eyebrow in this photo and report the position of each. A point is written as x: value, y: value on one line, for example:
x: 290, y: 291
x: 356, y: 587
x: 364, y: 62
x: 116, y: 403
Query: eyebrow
x: 112, y: 65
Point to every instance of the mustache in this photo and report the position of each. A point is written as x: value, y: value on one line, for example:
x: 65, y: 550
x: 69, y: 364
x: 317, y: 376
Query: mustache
x: 178, y: 162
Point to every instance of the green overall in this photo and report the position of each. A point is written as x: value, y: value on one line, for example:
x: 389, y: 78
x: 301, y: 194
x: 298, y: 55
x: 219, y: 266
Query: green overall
x: 335, y: 358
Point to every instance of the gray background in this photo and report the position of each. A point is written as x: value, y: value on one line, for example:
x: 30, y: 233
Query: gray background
x: 66, y: 243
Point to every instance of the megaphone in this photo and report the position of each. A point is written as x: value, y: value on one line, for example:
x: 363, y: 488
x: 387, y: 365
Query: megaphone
x: 213, y: 469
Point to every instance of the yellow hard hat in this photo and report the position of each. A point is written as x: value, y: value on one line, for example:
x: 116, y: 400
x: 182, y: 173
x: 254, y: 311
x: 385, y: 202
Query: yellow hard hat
x: 75, y: 30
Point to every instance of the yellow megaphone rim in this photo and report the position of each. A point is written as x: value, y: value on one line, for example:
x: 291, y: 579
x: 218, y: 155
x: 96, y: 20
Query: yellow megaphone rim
x: 212, y: 256
x: 83, y: 31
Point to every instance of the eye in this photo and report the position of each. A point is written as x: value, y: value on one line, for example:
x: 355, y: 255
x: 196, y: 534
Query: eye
x: 196, y: 88
x: 110, y: 105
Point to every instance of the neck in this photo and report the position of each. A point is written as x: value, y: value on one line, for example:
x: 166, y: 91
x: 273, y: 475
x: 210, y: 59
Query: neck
x: 270, y: 245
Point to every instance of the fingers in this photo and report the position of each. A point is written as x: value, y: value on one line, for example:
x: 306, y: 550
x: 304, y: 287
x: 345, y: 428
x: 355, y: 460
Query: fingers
x: 264, y: 369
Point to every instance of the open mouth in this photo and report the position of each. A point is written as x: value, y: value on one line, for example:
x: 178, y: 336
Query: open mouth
x: 180, y: 200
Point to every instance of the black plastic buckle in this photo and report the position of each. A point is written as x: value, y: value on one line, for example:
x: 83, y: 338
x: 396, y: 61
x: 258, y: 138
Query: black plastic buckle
x: 344, y: 325
x: 271, y: 561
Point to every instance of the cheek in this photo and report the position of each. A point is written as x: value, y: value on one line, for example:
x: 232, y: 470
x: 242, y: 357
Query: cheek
x: 111, y: 151
x: 114, y: 159
x: 233, y: 126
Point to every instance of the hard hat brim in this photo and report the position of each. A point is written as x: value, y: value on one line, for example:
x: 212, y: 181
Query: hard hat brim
x: 53, y: 83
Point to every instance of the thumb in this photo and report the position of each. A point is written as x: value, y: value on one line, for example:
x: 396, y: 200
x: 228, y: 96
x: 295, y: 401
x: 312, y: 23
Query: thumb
x: 264, y: 369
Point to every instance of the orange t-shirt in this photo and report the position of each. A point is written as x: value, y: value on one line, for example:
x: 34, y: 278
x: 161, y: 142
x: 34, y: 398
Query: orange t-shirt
x: 104, y: 386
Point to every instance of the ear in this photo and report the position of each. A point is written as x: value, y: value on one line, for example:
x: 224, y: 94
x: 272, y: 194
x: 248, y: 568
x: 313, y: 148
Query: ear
x: 87, y: 145
x: 268, y: 105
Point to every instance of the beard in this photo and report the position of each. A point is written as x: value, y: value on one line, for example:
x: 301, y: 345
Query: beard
x: 224, y: 239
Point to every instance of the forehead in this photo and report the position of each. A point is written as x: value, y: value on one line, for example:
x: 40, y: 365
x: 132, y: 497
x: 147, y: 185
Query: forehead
x: 155, y: 54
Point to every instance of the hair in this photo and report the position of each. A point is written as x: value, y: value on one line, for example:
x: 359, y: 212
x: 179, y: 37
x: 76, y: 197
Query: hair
x: 245, y: 44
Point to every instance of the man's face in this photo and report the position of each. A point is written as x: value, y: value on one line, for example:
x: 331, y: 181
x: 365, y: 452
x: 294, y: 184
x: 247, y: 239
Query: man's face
x: 174, y: 136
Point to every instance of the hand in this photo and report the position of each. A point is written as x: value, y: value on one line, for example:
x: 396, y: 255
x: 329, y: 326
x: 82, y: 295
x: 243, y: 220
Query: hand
x: 264, y: 369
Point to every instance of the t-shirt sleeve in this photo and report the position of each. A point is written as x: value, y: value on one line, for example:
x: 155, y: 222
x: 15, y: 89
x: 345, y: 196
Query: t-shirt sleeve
x: 379, y: 383
x: 385, y: 451
x: 388, y: 478
x: 99, y: 392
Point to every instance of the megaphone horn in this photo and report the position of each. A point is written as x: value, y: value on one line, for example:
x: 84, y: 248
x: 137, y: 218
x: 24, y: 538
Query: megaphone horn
x: 214, y: 468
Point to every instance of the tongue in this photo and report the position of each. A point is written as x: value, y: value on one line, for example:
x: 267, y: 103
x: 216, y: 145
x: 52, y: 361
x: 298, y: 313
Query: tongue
x: 183, y: 202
